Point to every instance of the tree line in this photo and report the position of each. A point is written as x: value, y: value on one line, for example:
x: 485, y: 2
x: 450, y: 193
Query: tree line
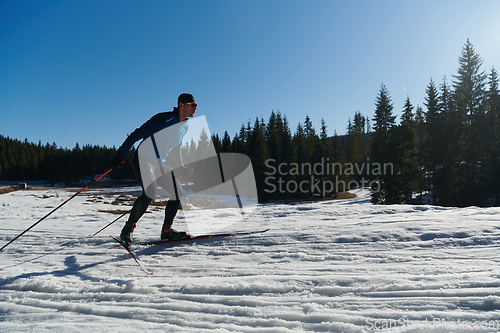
x: 22, y: 160
x: 449, y: 151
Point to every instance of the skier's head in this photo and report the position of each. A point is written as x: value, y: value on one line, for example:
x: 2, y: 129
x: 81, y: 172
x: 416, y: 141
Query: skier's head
x: 185, y: 98
x: 187, y: 106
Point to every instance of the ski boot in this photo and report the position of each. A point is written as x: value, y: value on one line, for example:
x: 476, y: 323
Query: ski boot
x: 171, y: 234
x: 126, y: 235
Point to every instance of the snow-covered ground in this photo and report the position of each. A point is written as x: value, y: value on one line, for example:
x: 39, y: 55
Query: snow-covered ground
x: 336, y: 266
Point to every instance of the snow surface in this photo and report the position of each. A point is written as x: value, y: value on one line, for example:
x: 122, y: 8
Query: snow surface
x: 334, y: 266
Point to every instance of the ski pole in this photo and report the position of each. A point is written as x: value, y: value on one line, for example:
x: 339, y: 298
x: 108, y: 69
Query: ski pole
x: 120, y: 217
x: 65, y: 202
x: 111, y: 223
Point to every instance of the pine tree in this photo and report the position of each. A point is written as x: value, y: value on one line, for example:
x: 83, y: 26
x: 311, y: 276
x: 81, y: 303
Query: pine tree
x: 217, y: 143
x: 326, y: 146
x: 433, y: 149
x: 493, y: 157
x: 243, y: 136
x: 353, y: 144
x: 421, y: 137
x: 190, y: 152
x: 226, y: 143
x: 448, y: 179
x: 289, y: 151
x: 469, y: 96
x: 407, y: 152
x: 384, y: 121
x: 337, y: 160
x: 326, y: 142
x: 272, y: 136
x: 323, y: 133
x: 236, y: 145
x: 314, y: 143
x: 257, y: 151
x: 336, y: 155
x: 309, y: 133
x: 299, y: 140
x: 309, y: 130
x: 203, y: 148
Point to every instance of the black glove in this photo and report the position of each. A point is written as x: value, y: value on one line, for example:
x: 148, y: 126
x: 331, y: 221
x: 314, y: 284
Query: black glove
x: 118, y: 161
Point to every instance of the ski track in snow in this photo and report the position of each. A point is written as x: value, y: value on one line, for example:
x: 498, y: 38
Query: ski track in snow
x: 333, y: 266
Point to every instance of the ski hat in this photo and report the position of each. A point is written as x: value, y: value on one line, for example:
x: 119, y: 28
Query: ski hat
x: 186, y: 98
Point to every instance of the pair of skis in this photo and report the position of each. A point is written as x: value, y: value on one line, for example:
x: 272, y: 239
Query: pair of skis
x: 163, y: 242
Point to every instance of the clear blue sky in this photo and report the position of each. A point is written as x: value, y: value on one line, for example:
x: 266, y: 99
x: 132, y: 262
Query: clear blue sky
x: 92, y: 71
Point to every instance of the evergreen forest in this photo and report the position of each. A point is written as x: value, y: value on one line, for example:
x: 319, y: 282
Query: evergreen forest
x: 446, y: 151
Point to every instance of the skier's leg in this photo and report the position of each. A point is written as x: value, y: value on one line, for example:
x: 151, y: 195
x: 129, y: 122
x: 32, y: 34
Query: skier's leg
x: 174, y: 188
x: 140, y: 205
x: 170, y: 213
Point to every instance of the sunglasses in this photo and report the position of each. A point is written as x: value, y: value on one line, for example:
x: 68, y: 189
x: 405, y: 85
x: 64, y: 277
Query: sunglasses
x: 191, y: 104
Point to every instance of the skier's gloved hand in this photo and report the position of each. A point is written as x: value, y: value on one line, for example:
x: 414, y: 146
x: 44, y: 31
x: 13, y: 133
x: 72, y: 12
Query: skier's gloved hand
x: 118, y: 160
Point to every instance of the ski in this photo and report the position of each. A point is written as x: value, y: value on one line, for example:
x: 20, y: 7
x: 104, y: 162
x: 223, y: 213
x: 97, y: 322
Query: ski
x: 189, y: 238
x: 136, y: 258
x: 201, y: 237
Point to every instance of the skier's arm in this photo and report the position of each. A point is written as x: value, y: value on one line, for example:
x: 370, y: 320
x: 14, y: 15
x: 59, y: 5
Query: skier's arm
x: 147, y: 129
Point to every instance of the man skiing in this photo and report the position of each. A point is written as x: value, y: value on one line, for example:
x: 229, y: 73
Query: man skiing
x: 186, y: 107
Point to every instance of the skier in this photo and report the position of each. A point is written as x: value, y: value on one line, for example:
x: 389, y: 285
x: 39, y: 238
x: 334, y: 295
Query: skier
x: 186, y: 107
